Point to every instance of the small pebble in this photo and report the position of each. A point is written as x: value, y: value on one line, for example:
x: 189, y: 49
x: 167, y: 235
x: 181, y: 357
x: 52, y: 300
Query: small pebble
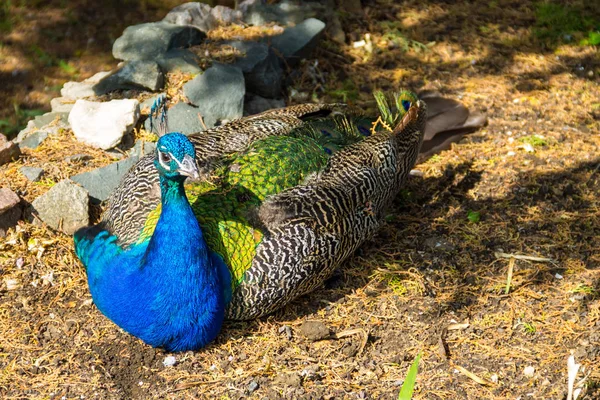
x: 169, y: 361
x: 11, y: 284
x: 529, y: 371
x: 252, y: 386
x: 558, y: 276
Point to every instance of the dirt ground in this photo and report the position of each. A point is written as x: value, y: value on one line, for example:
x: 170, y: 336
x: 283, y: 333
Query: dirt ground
x: 433, y: 280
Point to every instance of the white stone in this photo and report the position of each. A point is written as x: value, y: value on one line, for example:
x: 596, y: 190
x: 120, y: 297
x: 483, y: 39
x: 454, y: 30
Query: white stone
x: 103, y: 125
x: 529, y: 371
x: 62, y: 104
x: 78, y: 90
x: 169, y: 361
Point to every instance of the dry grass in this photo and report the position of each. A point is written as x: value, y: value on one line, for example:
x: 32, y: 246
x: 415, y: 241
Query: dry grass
x: 427, y: 270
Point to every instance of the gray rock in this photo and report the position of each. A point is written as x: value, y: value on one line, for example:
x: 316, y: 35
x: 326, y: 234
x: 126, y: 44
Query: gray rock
x: 51, y: 123
x: 226, y: 16
x: 194, y: 14
x: 218, y: 93
x: 64, y: 207
x: 101, y: 182
x: 9, y: 150
x: 252, y: 386
x: 33, y: 140
x: 284, y: 12
x: 179, y: 60
x: 149, y: 41
x: 314, y: 330
x: 261, y: 67
x: 137, y: 74
x: 254, y: 104
x: 142, y: 148
x: 202, y: 16
x: 62, y: 104
x: 298, y: 42
x: 79, y: 90
x: 181, y: 118
x: 10, y: 210
x: 103, y: 125
x: 32, y: 174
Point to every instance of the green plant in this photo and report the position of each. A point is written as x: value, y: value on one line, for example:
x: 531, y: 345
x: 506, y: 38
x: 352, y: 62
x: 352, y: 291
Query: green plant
x: 585, y: 289
x: 534, y: 140
x: 593, y: 39
x: 348, y: 91
x: 474, y: 216
x: 394, y: 35
x: 5, y: 16
x: 14, y: 124
x: 529, y: 328
x: 397, y: 286
x: 556, y: 22
x: 406, y: 391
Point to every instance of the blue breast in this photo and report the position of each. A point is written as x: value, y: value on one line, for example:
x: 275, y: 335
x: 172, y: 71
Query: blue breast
x: 170, y: 291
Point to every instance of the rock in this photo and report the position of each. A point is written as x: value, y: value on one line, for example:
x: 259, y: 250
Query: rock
x: 64, y: 207
x: 298, y: 42
x: 252, y: 386
x: 335, y: 30
x: 9, y: 150
x: 194, y: 14
x: 101, y: 182
x: 261, y: 67
x: 10, y: 210
x: 179, y: 60
x: 62, y: 104
x: 226, y: 15
x: 79, y: 90
x: 51, y: 123
x: 33, y: 140
x: 314, y: 330
x: 149, y: 41
x: 32, y: 174
x: 284, y: 13
x: 136, y: 74
x: 288, y: 380
x: 202, y: 16
x: 142, y: 148
x: 103, y: 125
x: 218, y: 93
x: 182, y: 118
x: 254, y: 104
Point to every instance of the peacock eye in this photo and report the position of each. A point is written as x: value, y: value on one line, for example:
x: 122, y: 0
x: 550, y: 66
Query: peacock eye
x: 165, y: 158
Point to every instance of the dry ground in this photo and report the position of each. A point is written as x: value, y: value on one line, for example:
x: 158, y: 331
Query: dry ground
x: 531, y: 174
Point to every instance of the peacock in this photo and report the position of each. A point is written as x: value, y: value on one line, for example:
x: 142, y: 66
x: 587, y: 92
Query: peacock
x: 236, y: 221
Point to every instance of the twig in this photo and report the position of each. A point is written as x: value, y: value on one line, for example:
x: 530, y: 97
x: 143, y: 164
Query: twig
x: 202, y: 121
x: 523, y: 257
x: 511, y: 267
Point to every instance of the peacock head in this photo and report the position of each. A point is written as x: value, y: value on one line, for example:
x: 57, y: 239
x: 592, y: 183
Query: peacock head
x: 175, y: 157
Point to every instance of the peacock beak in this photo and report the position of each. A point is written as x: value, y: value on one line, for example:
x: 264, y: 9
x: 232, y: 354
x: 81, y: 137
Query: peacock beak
x: 188, y: 167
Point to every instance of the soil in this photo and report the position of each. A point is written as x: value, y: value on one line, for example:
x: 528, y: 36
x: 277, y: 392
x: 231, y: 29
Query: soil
x: 433, y: 281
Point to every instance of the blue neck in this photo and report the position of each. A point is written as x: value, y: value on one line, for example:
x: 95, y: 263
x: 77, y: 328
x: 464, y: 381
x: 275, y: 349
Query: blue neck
x: 169, y: 294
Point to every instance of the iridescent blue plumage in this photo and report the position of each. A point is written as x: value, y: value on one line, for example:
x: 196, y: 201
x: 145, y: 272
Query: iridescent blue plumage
x: 171, y: 290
